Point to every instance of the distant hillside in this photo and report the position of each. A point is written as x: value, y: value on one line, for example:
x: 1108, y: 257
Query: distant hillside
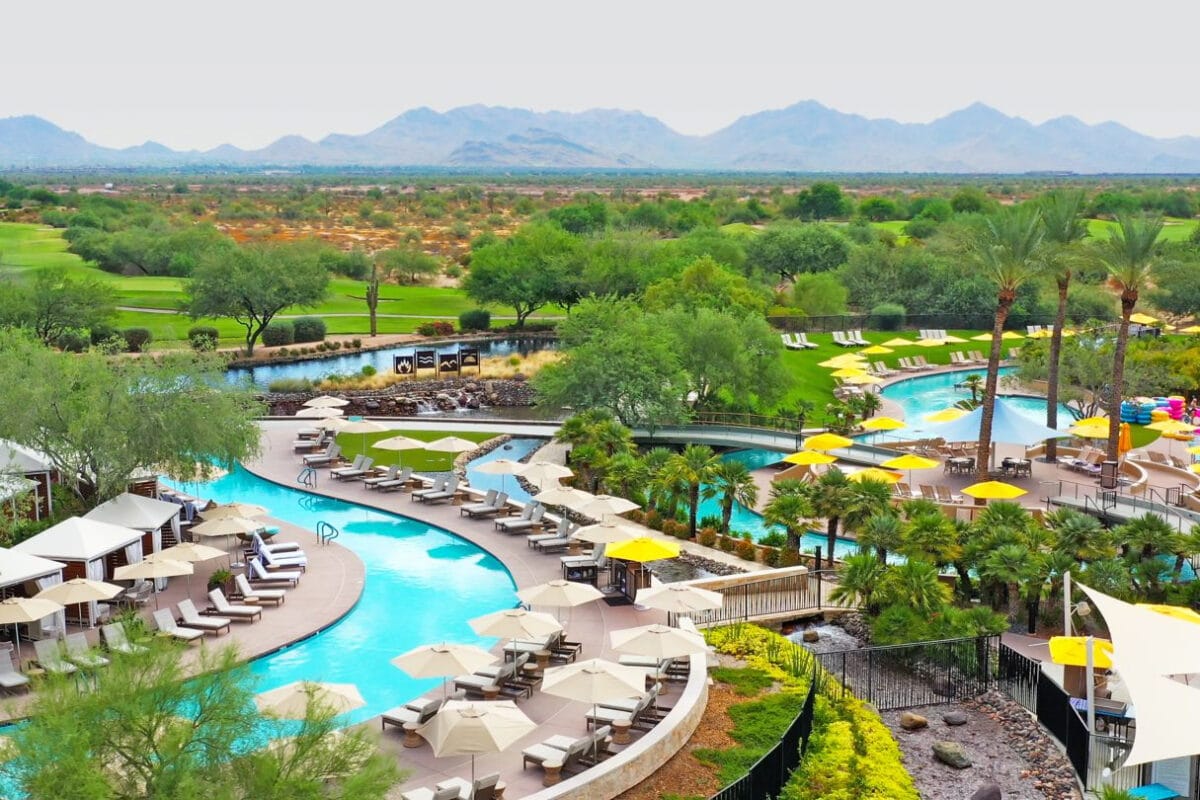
x: 805, y: 137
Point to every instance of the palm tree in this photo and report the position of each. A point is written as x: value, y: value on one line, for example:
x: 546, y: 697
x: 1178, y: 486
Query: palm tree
x: 627, y: 476
x: 931, y: 537
x: 832, y: 494
x: 859, y: 579
x: 1131, y: 256
x: 694, y: 469
x: 1010, y: 565
x: 652, y: 462
x: 883, y: 532
x: 915, y: 584
x: 1063, y: 225
x: 1186, y: 544
x: 733, y: 484
x: 1081, y: 536
x: 871, y: 497
x: 1008, y: 250
x: 975, y: 384
x: 791, y: 510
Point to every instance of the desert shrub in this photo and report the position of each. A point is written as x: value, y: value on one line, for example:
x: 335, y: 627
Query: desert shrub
x: 334, y: 345
x: 746, y: 550
x: 278, y: 333
x: 707, y: 536
x: 773, y: 539
x: 788, y: 557
x: 477, y: 319
x: 636, y: 516
x: 368, y: 370
x: 770, y: 556
x: 102, y: 332
x: 321, y: 347
x: 888, y: 317
x: 290, y: 385
x: 728, y: 543
x: 308, y: 329
x: 677, y: 529
x: 426, y: 329
x: 356, y: 343
x: 203, y: 338
x: 72, y: 341
x: 653, y: 520
x: 283, y: 352
x: 136, y: 338
x: 443, y: 328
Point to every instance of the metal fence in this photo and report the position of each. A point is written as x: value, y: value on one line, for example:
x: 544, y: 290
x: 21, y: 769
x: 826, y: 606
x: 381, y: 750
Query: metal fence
x: 763, y: 599
x: 921, y: 674
x: 766, y: 778
x: 842, y: 322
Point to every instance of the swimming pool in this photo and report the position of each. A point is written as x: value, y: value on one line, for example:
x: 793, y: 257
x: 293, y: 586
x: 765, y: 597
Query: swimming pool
x: 925, y: 394
x: 514, y: 450
x: 422, y: 585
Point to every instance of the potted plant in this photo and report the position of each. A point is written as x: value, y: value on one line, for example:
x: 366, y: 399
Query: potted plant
x: 219, y: 579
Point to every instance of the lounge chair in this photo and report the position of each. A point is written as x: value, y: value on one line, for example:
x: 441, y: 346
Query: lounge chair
x: 140, y: 593
x: 252, y: 595
x: 447, y: 493
x: 332, y: 455
x: 220, y: 605
x: 259, y: 574
x: 474, y: 683
x: 117, y: 642
x: 50, y: 657
x: 422, y: 793
x: 857, y: 338
x: 80, y: 653
x: 840, y: 338
x: 278, y: 548
x: 9, y: 677
x: 209, y: 624
x: 630, y: 704
x: 348, y: 473
x: 277, y: 561
x: 550, y: 542
x: 483, y: 789
x: 944, y: 495
x: 439, y: 485
x: 392, y: 473
x: 557, y: 748
x: 928, y: 493
x: 493, y: 503
x: 802, y: 339
x: 403, y: 480
x: 417, y: 712
x: 607, y: 716
x: 790, y: 342
x: 526, y: 512
x: 522, y: 524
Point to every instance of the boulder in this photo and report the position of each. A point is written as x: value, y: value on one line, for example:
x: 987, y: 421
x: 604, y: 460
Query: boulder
x: 954, y: 718
x: 952, y: 754
x: 989, y: 791
x: 811, y: 636
x: 912, y: 722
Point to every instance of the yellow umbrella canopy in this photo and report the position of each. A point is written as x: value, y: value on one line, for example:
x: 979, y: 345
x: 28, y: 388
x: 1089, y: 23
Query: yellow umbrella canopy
x: 1042, y: 334
x: 983, y: 337
x: 946, y: 415
x: 642, y: 549
x: 1195, y: 468
x: 929, y: 342
x: 1090, y: 431
x: 1011, y: 335
x: 1092, y: 421
x: 862, y: 380
x: 875, y: 350
x: 844, y: 360
x: 809, y: 457
x: 1171, y: 426
x: 848, y: 372
x: 1190, y: 329
x: 954, y: 340
x: 910, y: 461
x: 875, y: 474
x: 1179, y: 612
x: 1071, y: 651
x: 827, y: 441
x: 1194, y: 449
x: 994, y: 490
x: 898, y: 342
x: 883, y: 424
x: 1143, y: 319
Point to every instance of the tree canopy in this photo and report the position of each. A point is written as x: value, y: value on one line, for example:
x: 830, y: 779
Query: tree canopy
x: 523, y: 271
x: 790, y: 250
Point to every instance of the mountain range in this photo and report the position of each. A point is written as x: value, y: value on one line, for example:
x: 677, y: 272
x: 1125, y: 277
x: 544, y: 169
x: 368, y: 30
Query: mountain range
x: 805, y: 137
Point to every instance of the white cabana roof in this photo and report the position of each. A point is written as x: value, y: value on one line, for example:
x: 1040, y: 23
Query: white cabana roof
x: 18, y: 458
x: 14, y: 485
x: 1149, y: 648
x: 134, y: 511
x: 79, y: 539
x: 16, y: 567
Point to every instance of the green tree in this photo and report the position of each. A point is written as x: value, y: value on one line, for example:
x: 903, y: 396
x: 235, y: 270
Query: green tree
x: 1062, y: 220
x: 791, y: 508
x: 103, y: 420
x: 859, y: 579
x: 822, y: 200
x: 915, y: 585
x: 733, y: 483
x: 695, y: 468
x: 788, y: 250
x: 1011, y: 565
x: 407, y: 264
x: 146, y: 728
x: 1131, y: 256
x: 704, y: 283
x: 1007, y: 248
x: 832, y: 495
x: 253, y: 283
x: 522, y: 271
x: 882, y: 532
x: 54, y: 303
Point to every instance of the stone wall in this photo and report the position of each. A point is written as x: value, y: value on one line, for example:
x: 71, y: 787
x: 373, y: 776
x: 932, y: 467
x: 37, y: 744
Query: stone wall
x: 413, y: 397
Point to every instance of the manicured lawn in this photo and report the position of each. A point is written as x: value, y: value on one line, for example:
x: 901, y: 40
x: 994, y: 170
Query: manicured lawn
x: 1174, y: 229
x: 419, y: 460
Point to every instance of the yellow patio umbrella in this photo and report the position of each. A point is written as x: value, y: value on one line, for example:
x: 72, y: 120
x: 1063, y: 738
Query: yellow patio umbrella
x: 983, y: 337
x: 848, y: 372
x: 1194, y: 449
x: 844, y: 360
x: 875, y: 474
x: 987, y: 337
x: 642, y: 549
x: 929, y: 342
x: 897, y: 342
x: 1195, y: 468
x: 994, y: 490
x: 1178, y: 612
x: 1071, y: 651
x: 875, y: 350
x: 1124, y: 438
x: 1090, y: 431
x: 1042, y: 334
x: 947, y: 414
x: 1067, y: 332
x: 827, y: 441
x: 1092, y: 421
x: 1190, y: 329
x: 862, y: 380
x: 1171, y: 426
x: 882, y: 424
x: 954, y: 339
x: 910, y: 461
x: 1143, y: 319
x: 808, y: 458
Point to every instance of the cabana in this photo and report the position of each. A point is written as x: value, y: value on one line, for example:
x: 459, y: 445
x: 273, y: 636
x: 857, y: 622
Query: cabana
x: 25, y: 575
x: 157, y: 519
x: 88, y: 549
x: 19, y: 461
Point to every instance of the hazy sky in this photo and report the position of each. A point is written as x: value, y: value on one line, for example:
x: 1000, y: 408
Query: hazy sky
x: 195, y: 75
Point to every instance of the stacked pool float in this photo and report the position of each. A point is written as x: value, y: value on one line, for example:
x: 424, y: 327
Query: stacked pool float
x: 1147, y: 410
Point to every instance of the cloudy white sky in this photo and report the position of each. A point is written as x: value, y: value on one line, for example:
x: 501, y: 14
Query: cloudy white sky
x: 195, y: 75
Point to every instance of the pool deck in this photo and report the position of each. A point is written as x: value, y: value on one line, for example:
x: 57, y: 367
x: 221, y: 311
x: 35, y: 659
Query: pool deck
x: 590, y: 623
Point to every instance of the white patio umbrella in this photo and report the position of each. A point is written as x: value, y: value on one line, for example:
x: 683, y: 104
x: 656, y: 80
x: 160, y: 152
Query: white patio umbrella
x: 604, y: 505
x: 516, y: 623
x: 443, y: 660
x: 153, y: 567
x: 78, y: 591
x: 657, y: 641
x: 541, y: 473
x: 563, y: 496
x: 16, y: 610
x: 291, y: 701
x: 462, y: 728
x: 607, y: 532
x: 331, y: 424
x: 326, y: 401
x: 501, y: 467
x: 319, y: 413
x: 679, y: 598
x: 451, y: 444
x: 594, y: 681
x: 399, y: 444
x: 192, y: 553
x: 363, y: 426
x: 235, y: 509
x: 224, y: 527
x: 559, y: 594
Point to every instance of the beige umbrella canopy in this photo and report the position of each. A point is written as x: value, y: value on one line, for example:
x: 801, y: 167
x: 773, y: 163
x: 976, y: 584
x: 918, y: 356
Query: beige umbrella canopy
x: 292, y: 700
x: 603, y: 505
x: 463, y: 728
x: 319, y: 413
x: 442, y: 660
x: 451, y: 444
x: 331, y: 424
x: 326, y: 401
x: 594, y: 681
x: 541, y: 473
x: 513, y: 623
x: 235, y: 509
x: 152, y: 567
x: 226, y: 526
x: 679, y: 598
x: 16, y: 610
x: 191, y: 553
x: 559, y: 594
x: 362, y: 426
x: 501, y: 467
x: 657, y: 641
x: 79, y: 590
x: 398, y: 444
x: 564, y: 496
x: 607, y: 532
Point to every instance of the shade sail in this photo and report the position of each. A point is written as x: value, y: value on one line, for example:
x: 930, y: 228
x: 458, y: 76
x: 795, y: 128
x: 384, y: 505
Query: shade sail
x: 79, y: 539
x: 1008, y: 426
x: 135, y: 511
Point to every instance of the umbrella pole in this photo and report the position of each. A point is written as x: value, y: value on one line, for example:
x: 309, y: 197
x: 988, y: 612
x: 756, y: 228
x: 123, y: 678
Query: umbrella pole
x: 17, y: 639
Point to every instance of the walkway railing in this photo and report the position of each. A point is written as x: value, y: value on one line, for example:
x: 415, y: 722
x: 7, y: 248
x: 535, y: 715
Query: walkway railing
x: 761, y: 598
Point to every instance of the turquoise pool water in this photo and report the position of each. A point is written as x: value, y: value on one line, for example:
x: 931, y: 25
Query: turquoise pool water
x: 422, y: 585
x: 925, y: 394
x: 514, y: 450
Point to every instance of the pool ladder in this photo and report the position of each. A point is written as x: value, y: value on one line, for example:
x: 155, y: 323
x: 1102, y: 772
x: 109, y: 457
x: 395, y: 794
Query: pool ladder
x: 307, y: 477
x: 326, y: 532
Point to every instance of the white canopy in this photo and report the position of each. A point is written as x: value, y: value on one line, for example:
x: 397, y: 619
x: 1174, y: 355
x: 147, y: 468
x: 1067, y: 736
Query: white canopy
x: 18, y: 458
x: 14, y: 485
x: 16, y: 568
x: 135, y: 511
x: 1148, y: 648
x: 79, y: 539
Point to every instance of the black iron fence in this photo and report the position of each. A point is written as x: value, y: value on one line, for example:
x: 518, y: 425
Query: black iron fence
x: 911, y: 675
x: 766, y: 778
x: 770, y: 598
x: 1018, y: 677
x: 843, y: 322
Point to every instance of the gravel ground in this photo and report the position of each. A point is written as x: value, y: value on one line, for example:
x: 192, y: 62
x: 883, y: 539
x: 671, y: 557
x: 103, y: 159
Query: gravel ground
x: 1005, y: 746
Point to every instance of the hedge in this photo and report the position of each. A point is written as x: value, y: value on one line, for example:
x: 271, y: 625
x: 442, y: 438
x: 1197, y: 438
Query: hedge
x: 136, y: 338
x: 477, y: 319
x: 278, y: 333
x: 308, y: 329
x: 203, y: 337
